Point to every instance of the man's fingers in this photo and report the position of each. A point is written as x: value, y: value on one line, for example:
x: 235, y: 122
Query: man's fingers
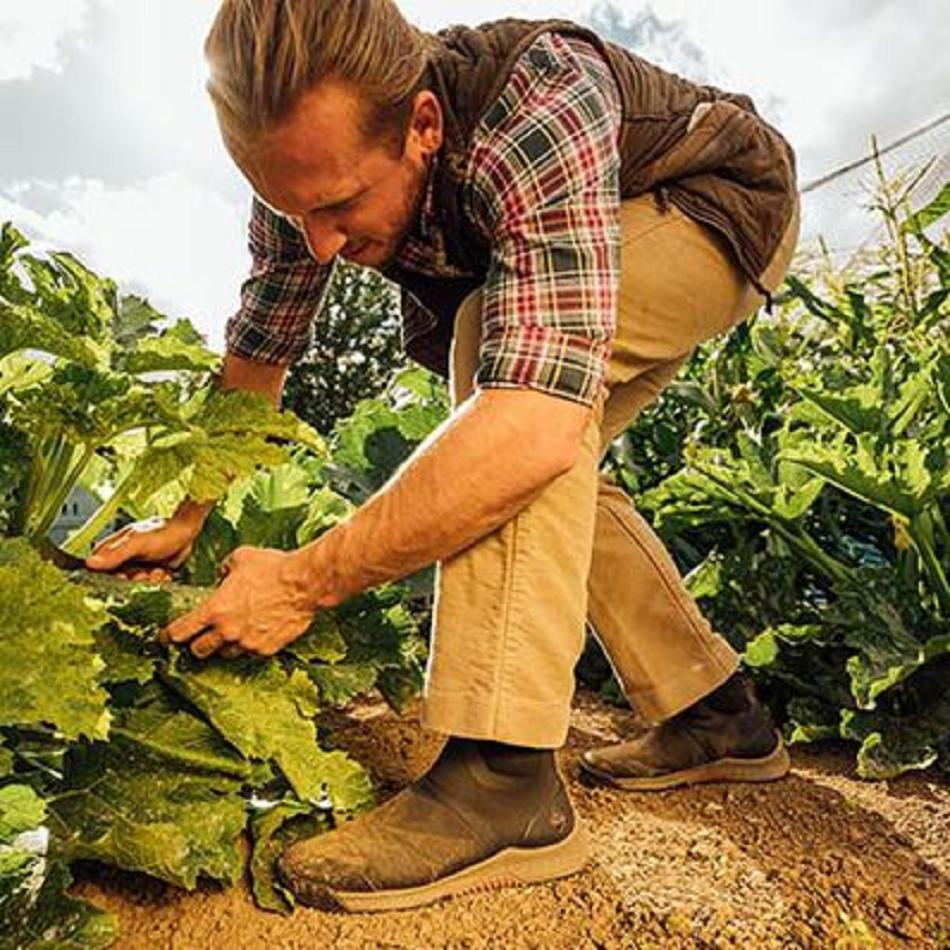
x: 205, y: 645
x: 154, y: 575
x: 113, y: 551
x: 186, y: 627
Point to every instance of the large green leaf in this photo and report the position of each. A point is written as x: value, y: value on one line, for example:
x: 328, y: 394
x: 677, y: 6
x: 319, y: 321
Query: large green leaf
x: 340, y: 683
x: 892, y: 745
x: 157, y: 731
x: 931, y: 213
x: 858, y: 409
x: 873, y: 671
x: 81, y: 302
x: 226, y: 439
x: 23, y: 327
x: 49, y: 668
x: 268, y: 715
x: 21, y: 809
x: 127, y: 810
x: 18, y: 372
x: 93, y: 406
x: 762, y: 651
x: 180, y: 347
x: 858, y: 473
x: 325, y: 509
x: 322, y: 641
x: 126, y: 656
x: 273, y: 829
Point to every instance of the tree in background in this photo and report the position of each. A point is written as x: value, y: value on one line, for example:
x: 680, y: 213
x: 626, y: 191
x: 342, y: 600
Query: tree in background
x: 355, y: 348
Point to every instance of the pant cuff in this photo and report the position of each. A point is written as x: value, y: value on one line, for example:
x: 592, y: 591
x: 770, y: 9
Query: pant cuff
x: 674, y: 695
x: 536, y: 725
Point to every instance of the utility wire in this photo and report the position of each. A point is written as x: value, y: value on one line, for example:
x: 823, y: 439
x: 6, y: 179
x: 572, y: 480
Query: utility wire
x: 851, y: 166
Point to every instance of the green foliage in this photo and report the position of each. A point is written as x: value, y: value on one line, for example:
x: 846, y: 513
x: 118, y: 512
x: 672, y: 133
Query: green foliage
x: 34, y: 909
x: 112, y: 746
x: 91, y: 381
x: 174, y: 824
x: 274, y: 828
x: 183, y: 751
x: 353, y: 353
x: 370, y: 445
x: 267, y: 715
x: 49, y: 668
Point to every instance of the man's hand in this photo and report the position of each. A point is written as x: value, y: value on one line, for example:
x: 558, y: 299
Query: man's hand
x: 260, y: 607
x: 164, y: 544
x: 168, y: 545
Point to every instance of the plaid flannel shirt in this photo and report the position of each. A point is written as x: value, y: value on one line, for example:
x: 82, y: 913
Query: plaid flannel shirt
x: 543, y: 184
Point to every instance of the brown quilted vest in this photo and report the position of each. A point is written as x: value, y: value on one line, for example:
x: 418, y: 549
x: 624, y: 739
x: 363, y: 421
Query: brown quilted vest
x: 704, y: 150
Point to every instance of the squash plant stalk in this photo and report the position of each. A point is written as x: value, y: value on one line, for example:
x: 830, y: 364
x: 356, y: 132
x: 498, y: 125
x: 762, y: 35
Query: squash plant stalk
x: 81, y: 539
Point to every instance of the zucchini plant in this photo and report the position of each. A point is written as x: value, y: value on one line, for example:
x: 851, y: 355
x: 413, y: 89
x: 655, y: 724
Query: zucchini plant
x: 114, y: 747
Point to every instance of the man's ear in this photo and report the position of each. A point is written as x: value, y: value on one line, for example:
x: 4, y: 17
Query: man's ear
x: 426, y: 128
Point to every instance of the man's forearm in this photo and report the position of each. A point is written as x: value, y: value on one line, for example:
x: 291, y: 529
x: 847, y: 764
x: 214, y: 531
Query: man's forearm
x: 471, y: 476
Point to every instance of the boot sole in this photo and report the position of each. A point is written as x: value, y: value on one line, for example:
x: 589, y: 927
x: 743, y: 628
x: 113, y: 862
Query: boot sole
x: 769, y: 768
x: 511, y: 867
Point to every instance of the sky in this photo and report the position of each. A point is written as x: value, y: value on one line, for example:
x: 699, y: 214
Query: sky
x: 110, y: 149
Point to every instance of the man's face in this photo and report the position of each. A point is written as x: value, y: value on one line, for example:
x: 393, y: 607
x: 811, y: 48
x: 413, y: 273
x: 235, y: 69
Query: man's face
x: 348, y: 196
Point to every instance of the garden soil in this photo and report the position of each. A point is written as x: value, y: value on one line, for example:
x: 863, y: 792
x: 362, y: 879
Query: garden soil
x: 820, y: 859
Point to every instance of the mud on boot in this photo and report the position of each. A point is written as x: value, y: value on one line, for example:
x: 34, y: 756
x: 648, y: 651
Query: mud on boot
x: 484, y: 816
x: 727, y: 736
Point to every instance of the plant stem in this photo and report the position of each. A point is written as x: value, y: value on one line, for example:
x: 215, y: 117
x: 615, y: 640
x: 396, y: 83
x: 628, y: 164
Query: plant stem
x: 54, y: 475
x: 917, y: 528
x: 797, y: 537
x: 81, y: 540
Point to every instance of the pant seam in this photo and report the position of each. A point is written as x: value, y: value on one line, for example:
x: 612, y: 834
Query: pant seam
x: 509, y: 595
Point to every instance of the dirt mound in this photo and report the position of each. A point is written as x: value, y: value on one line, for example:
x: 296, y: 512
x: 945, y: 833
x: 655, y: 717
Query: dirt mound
x: 820, y: 859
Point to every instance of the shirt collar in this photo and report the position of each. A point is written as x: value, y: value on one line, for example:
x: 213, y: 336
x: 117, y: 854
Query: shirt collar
x: 427, y: 215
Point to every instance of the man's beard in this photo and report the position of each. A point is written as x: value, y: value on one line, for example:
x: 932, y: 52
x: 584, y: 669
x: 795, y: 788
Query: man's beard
x: 411, y: 213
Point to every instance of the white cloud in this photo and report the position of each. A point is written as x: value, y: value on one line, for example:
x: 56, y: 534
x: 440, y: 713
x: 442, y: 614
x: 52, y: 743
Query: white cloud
x: 826, y: 74
x: 178, y: 242
x: 32, y: 34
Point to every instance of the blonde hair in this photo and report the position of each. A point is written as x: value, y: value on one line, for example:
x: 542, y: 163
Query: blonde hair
x: 264, y: 54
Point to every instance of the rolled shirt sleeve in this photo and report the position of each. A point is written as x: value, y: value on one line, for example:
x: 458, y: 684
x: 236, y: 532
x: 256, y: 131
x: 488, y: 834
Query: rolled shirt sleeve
x: 545, y: 189
x: 281, y: 297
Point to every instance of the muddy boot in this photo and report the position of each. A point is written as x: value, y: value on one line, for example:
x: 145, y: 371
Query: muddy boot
x: 485, y: 816
x: 726, y: 736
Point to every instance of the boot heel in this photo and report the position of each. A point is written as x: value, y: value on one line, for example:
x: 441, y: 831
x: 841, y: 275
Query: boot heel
x: 531, y: 866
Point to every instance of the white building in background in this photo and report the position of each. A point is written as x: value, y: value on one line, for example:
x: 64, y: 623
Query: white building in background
x: 76, y: 511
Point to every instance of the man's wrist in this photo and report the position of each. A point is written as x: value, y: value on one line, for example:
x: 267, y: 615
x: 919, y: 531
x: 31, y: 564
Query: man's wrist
x: 313, y: 572
x: 193, y: 513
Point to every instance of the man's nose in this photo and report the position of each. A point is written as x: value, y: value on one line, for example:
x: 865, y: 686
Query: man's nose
x: 324, y: 242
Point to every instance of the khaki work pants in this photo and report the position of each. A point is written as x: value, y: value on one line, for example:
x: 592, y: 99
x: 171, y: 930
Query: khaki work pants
x: 511, y: 609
